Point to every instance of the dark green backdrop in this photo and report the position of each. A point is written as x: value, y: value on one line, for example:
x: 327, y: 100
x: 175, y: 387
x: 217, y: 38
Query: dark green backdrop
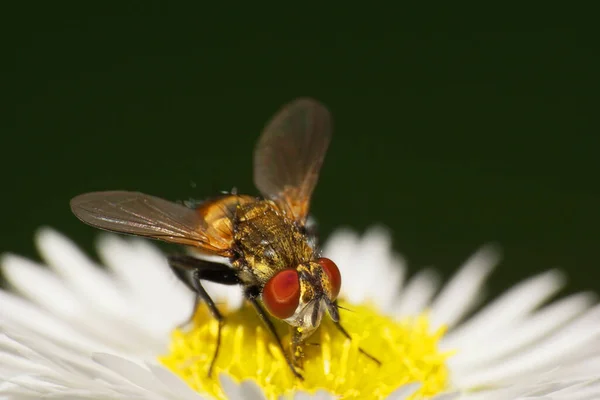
x: 451, y: 138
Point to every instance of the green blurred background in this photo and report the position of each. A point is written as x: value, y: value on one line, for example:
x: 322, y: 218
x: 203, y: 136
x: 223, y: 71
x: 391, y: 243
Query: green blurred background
x: 451, y: 136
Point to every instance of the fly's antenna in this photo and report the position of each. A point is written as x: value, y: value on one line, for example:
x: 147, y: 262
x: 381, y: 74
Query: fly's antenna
x: 345, y: 309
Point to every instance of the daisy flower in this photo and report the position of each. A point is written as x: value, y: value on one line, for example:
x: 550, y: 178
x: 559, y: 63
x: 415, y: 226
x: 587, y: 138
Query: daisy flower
x: 79, y: 331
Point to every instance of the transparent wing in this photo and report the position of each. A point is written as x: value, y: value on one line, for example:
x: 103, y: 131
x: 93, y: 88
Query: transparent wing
x: 289, y: 155
x: 143, y: 215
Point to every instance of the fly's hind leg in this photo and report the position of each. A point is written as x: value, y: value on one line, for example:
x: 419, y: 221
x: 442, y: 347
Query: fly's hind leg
x: 183, y: 277
x: 183, y: 267
x: 204, y: 270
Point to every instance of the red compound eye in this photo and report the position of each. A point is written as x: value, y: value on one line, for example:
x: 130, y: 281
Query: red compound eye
x: 281, y: 294
x: 334, y: 275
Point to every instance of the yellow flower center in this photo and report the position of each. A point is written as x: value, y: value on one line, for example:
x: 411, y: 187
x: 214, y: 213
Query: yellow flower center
x: 408, y: 352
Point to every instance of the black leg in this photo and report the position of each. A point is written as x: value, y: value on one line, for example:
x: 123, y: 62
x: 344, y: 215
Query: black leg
x: 345, y: 333
x: 181, y: 274
x: 214, y: 312
x: 181, y: 265
x: 271, y: 328
x: 207, y: 270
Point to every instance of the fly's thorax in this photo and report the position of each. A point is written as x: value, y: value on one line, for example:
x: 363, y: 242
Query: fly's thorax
x: 267, y: 241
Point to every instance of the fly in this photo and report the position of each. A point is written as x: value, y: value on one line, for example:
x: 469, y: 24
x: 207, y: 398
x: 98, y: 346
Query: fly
x: 268, y: 242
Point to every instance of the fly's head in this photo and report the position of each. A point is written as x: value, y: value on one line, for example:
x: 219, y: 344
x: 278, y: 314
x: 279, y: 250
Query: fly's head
x: 300, y: 296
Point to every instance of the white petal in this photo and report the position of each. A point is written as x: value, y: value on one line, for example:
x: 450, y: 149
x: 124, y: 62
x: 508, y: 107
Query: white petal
x: 447, y: 396
x: 302, y: 395
x: 417, y: 294
x: 251, y: 391
x: 133, y: 372
x: 231, y: 389
x: 82, y: 275
x: 508, y: 308
x: 532, y: 329
x: 460, y: 294
x: 371, y: 271
x: 34, y: 384
x: 585, y: 367
x: 318, y: 395
x: 56, y: 356
x: 18, y: 312
x: 152, y: 284
x: 552, y: 353
x: 231, y: 295
x: 373, y: 258
x: 342, y: 249
x: 62, y: 373
x: 562, y: 389
x: 159, y: 277
x: 571, y: 339
x: 390, y: 285
x: 67, y: 312
x: 40, y: 285
x: 174, y: 383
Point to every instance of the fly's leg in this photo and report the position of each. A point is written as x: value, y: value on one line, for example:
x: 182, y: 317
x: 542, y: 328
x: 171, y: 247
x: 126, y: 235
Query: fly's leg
x: 181, y: 265
x: 297, y: 346
x: 182, y: 275
x: 251, y: 297
x: 214, y: 312
x: 204, y: 270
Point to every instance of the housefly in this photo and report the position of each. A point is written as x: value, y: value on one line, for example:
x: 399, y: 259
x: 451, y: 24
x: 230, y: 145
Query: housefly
x: 269, y: 246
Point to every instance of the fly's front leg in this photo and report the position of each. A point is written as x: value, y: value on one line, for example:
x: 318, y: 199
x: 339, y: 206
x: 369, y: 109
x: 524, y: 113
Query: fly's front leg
x: 251, y: 297
x: 204, y: 270
x: 297, y: 346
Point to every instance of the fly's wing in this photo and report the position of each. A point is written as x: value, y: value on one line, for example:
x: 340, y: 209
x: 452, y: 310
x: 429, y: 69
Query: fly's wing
x: 143, y: 215
x: 289, y: 155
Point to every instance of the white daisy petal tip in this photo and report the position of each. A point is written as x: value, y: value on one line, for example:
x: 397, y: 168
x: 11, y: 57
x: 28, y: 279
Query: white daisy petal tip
x: 47, y: 233
x: 49, y: 242
x: 26, y: 277
x: 7, y: 262
x: 109, y: 245
x: 491, y: 251
x: 462, y: 292
x: 379, y: 232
